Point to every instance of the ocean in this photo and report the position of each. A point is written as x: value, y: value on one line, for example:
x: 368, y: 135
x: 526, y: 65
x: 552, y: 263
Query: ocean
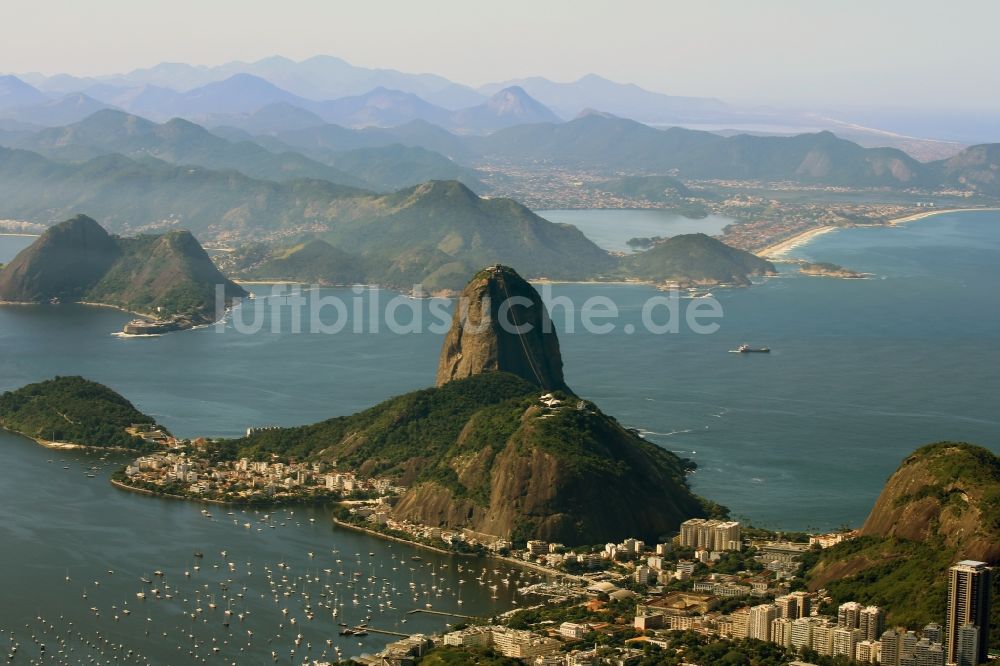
x: 861, y: 373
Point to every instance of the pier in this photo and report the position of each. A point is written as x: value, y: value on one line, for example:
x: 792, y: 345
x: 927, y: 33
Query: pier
x: 385, y: 632
x: 442, y: 613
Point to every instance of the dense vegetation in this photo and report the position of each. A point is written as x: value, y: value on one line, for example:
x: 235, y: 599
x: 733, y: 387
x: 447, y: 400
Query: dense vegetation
x: 72, y: 409
x: 695, y: 257
x: 77, y: 259
x: 975, y: 467
x: 448, y: 445
x: 422, y: 425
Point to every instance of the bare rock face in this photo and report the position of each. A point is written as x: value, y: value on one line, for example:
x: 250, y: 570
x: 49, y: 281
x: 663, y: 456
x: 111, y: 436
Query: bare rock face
x: 948, y: 491
x: 601, y: 483
x: 501, y: 325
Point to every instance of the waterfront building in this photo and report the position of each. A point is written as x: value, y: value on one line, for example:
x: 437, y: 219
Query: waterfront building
x: 928, y: 653
x: 967, y: 651
x: 891, y: 645
x: 822, y: 638
x: 802, y: 633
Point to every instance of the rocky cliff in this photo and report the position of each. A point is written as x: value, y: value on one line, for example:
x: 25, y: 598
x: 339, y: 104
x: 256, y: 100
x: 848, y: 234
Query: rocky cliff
x: 941, y: 506
x: 944, y: 491
x: 500, y: 324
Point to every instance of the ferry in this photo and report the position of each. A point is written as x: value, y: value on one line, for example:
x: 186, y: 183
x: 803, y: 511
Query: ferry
x: 747, y: 349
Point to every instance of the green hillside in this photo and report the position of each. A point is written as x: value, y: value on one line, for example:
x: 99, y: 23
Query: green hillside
x: 168, y: 274
x: 695, y: 258
x: 941, y: 506
x: 74, y: 410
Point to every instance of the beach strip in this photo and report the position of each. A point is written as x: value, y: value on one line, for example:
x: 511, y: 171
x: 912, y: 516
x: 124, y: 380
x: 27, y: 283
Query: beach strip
x: 779, y: 251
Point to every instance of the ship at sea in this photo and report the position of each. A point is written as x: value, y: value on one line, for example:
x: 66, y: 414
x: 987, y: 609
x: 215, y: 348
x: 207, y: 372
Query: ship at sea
x: 747, y: 349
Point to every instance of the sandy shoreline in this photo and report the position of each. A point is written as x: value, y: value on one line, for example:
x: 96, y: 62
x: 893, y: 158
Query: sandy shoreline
x: 65, y: 446
x: 931, y: 213
x: 779, y: 251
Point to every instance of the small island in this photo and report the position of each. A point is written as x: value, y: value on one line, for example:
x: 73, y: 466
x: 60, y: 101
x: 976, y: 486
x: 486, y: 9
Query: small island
x: 825, y: 269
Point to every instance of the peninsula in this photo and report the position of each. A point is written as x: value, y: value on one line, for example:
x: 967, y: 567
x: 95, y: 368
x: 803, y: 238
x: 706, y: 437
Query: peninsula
x: 71, y: 412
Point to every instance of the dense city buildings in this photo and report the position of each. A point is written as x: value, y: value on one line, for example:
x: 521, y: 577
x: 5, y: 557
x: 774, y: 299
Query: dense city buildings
x: 711, y: 535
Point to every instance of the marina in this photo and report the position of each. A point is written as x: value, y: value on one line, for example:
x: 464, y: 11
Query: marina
x: 166, y: 581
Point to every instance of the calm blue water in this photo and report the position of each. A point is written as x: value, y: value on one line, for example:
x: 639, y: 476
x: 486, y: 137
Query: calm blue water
x: 611, y: 229
x: 862, y: 372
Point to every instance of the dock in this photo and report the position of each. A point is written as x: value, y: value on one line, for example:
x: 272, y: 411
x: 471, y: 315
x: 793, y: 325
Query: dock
x: 442, y: 613
x: 385, y: 632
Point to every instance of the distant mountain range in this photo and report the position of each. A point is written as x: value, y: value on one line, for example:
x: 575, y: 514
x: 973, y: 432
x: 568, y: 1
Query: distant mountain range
x: 386, y: 159
x: 387, y: 167
x: 232, y: 100
x: 153, y: 90
x: 622, y: 99
x: 320, y: 77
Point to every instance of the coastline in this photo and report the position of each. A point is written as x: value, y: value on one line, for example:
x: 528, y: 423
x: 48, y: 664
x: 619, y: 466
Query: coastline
x: 503, y: 558
x: 779, y: 251
x: 931, y: 213
x: 144, y: 491
x: 65, y: 446
x: 390, y: 537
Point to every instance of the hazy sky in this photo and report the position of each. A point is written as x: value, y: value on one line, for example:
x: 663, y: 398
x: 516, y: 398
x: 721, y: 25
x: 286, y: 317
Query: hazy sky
x: 899, y: 53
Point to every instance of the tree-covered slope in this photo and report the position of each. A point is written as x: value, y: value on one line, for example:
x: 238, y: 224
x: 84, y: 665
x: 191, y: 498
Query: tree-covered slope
x: 485, y: 453
x: 65, y: 263
x: 169, y: 274
x: 310, y: 262
x: 72, y: 410
x: 447, y: 219
x: 695, y: 258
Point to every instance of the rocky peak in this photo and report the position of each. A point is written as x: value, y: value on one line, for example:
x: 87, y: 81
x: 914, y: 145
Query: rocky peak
x: 501, y: 325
